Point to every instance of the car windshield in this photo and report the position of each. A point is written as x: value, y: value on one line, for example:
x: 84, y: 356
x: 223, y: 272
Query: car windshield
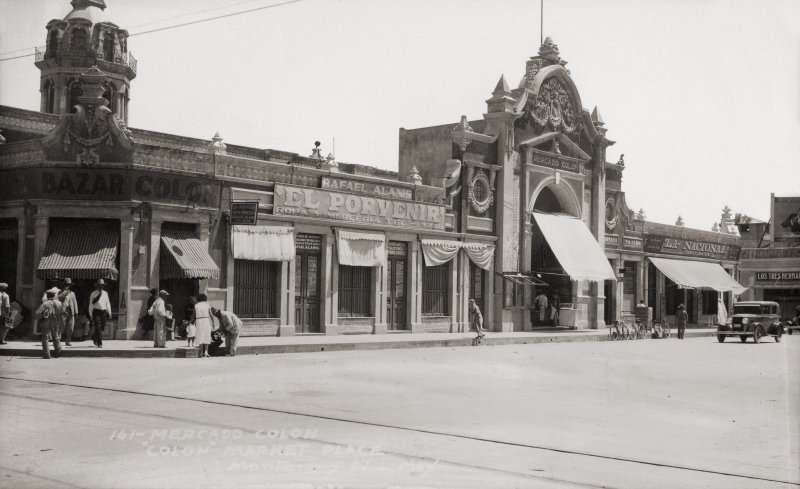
x: 755, y: 310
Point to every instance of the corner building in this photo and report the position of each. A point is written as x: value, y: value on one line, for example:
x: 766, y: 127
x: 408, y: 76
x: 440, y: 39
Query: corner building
x: 498, y: 210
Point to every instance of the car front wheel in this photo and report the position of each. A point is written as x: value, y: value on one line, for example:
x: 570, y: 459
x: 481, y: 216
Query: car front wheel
x: 757, y: 334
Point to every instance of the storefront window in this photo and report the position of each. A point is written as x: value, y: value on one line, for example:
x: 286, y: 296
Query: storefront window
x: 709, y: 298
x: 435, y: 286
x: 674, y: 295
x: 255, y: 288
x: 354, y: 291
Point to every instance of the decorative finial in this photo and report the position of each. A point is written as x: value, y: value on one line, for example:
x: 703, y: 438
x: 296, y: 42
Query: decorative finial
x: 331, y: 160
x: 641, y: 216
x: 726, y: 210
x: 715, y: 228
x: 679, y: 222
x: 316, y: 153
x: 597, y: 118
x: 414, y: 176
x: 549, y: 50
x: 460, y: 133
x: 216, y: 147
x: 621, y: 162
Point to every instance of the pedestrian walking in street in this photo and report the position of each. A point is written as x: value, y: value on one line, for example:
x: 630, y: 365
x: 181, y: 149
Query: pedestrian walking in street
x: 202, y: 320
x: 230, y: 324
x: 159, y: 313
x: 6, y: 323
x: 48, y: 314
x: 541, y: 306
x: 99, y: 311
x: 555, y: 309
x: 680, y: 319
x: 69, y: 310
x: 148, y: 320
x: 476, y: 318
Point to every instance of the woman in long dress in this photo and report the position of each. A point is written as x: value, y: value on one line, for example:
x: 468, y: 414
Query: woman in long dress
x: 158, y: 312
x: 202, y: 320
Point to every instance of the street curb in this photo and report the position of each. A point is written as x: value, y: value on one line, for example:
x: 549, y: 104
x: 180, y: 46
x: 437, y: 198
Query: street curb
x: 149, y: 352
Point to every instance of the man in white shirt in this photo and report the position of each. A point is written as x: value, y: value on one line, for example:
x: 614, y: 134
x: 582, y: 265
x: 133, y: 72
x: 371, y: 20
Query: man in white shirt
x: 541, y: 305
x: 99, y: 311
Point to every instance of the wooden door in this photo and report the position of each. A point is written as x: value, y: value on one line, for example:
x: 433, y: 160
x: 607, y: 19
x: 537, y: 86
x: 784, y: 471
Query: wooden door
x: 476, y: 285
x: 306, y: 284
x: 397, y: 267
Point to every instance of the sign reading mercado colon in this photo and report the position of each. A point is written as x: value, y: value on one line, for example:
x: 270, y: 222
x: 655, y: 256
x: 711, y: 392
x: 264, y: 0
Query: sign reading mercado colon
x: 686, y: 247
x: 360, y: 209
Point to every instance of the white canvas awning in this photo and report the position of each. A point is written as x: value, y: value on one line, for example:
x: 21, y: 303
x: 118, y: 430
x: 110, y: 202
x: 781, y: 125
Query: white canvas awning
x: 263, y: 243
x: 577, y: 251
x: 698, y: 275
x: 439, y: 251
x: 361, y: 248
x: 481, y: 254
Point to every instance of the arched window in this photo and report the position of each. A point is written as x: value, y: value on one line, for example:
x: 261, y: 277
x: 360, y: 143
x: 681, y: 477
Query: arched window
x: 110, y: 94
x: 52, y: 44
x: 79, y: 44
x: 50, y: 97
x: 74, y: 92
x: 108, y: 47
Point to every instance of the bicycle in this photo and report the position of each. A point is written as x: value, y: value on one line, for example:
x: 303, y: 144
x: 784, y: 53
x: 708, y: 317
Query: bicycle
x: 615, y: 332
x: 638, y: 330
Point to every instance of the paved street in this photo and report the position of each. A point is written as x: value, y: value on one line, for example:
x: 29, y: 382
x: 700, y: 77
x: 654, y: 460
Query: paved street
x: 632, y: 414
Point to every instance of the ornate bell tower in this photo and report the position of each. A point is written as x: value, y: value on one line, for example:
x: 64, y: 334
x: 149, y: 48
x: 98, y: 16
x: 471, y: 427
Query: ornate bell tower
x: 86, y: 37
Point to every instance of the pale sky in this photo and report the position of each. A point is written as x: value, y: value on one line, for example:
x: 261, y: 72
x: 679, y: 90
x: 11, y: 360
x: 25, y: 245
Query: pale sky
x: 702, y: 96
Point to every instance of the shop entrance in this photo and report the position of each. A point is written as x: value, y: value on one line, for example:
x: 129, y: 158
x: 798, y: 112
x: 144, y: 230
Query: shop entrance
x: 8, y: 255
x: 476, y: 285
x: 179, y: 292
x: 397, y: 279
x: 306, y: 285
x: 690, y: 309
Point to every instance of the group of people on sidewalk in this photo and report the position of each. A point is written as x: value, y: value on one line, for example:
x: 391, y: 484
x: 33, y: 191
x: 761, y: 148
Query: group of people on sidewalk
x: 198, y: 325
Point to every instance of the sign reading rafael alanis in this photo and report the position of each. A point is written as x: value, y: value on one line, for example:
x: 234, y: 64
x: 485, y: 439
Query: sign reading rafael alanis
x: 358, y: 209
x: 685, y: 247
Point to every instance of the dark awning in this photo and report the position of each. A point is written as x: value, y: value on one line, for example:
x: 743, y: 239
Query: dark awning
x: 81, y: 252
x: 184, y: 256
x: 520, y: 278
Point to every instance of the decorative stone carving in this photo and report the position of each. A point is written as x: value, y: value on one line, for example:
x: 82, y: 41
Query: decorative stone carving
x: 414, y: 176
x: 217, y: 147
x: 552, y: 109
x: 316, y: 153
x: 641, y: 216
x: 92, y: 133
x: 549, y: 51
x: 532, y: 68
x: 611, y: 213
x: 679, y: 221
x: 480, y: 193
x: 461, y: 130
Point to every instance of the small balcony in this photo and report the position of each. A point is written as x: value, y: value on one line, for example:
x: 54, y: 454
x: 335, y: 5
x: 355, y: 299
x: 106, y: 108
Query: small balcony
x: 126, y: 58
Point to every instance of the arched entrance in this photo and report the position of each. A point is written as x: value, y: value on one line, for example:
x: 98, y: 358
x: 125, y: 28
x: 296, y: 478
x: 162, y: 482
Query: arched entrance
x: 549, y: 198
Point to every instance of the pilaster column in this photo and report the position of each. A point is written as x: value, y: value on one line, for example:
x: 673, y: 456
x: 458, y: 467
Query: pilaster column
x: 203, y: 229
x: 126, y: 323
x: 616, y: 292
x: 379, y: 284
x: 454, y: 293
x: 463, y: 292
x: 41, y: 232
x: 414, y: 306
x: 330, y: 286
x: 488, y: 303
x: 154, y: 254
x: 286, y: 326
x: 641, y: 282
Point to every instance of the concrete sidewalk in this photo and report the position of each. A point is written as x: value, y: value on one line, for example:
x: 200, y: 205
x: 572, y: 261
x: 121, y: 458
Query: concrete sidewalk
x: 320, y: 343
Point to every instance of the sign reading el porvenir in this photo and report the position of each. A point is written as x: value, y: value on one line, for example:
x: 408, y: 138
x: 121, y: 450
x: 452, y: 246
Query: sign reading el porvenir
x: 103, y: 184
x: 244, y: 212
x: 685, y: 247
x: 358, y: 209
x: 779, y: 277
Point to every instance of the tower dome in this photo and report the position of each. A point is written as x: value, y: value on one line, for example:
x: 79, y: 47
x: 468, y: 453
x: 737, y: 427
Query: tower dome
x: 84, y: 38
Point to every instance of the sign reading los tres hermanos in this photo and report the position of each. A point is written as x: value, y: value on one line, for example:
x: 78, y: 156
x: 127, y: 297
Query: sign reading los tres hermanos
x: 778, y: 277
x: 685, y: 247
x: 361, y: 209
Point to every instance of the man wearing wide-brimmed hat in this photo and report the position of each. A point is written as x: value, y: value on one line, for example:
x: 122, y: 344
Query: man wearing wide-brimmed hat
x: 99, y: 311
x: 48, y: 315
x: 69, y: 308
x: 5, y: 312
x: 681, y: 318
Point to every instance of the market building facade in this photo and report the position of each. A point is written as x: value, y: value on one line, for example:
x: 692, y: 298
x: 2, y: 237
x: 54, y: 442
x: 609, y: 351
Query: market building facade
x: 516, y: 206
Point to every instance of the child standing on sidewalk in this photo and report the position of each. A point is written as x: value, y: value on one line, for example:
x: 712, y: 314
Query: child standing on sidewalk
x: 191, y: 332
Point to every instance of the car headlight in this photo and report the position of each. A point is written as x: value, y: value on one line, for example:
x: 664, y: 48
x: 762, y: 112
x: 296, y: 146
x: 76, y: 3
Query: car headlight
x: 745, y: 320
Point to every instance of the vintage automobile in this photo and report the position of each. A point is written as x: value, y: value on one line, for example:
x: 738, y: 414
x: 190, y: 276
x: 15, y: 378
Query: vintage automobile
x: 753, y: 318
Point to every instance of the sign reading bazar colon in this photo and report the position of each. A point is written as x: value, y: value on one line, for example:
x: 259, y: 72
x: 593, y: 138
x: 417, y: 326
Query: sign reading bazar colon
x: 324, y: 204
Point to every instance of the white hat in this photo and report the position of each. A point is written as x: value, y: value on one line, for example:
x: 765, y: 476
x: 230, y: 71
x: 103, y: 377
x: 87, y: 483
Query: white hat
x: 53, y: 291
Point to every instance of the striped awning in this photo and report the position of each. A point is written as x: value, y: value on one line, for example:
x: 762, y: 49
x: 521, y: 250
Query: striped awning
x: 84, y: 252
x: 184, y: 256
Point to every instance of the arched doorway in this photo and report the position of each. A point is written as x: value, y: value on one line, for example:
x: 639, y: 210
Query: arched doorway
x: 549, y: 198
